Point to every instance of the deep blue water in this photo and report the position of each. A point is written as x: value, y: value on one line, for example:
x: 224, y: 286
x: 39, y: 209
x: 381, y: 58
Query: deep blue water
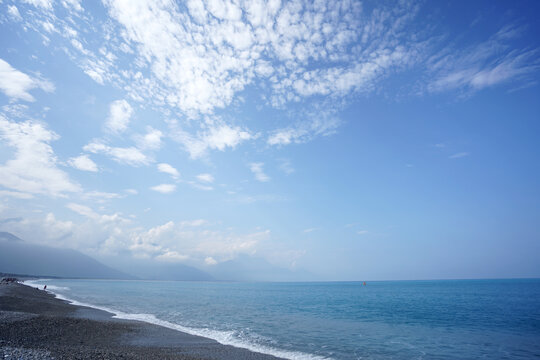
x: 462, y: 319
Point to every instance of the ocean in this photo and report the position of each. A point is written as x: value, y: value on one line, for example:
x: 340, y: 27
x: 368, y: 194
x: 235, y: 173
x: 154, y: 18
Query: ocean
x: 447, y: 319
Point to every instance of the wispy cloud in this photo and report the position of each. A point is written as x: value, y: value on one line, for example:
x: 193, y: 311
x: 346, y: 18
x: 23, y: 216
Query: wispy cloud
x: 171, y: 256
x: 458, y: 155
x: 16, y: 84
x: 45, y: 4
x: 268, y: 198
x: 193, y: 223
x: 14, y: 12
x: 100, y: 196
x: 33, y: 169
x: 83, y: 210
x: 257, y: 170
x: 151, y: 140
x: 322, y: 124
x: 168, y: 169
x: 128, y: 155
x: 201, y: 186
x: 15, y: 194
x: 286, y: 166
x: 205, y: 178
x: 164, y: 188
x: 492, y: 62
x: 119, y: 115
x: 84, y: 163
x: 215, y: 136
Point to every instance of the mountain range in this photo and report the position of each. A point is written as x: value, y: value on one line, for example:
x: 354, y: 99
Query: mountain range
x: 21, y: 257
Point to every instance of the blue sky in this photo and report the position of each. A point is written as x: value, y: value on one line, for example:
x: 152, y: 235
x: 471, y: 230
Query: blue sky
x: 362, y: 140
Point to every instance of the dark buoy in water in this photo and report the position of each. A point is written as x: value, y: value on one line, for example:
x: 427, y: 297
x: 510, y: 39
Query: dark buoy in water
x: 364, y: 283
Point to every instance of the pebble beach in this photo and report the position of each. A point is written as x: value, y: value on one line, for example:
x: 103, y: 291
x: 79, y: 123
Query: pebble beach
x: 36, y: 325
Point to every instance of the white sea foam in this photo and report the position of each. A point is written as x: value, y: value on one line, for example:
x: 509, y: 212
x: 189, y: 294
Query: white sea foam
x: 51, y: 288
x: 223, y: 337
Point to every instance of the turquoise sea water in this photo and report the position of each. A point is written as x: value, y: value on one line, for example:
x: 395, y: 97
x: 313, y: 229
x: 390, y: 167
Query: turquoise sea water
x: 462, y: 319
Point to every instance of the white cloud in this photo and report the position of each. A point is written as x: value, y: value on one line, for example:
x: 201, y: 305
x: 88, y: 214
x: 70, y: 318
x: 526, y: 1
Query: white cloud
x: 193, y: 59
x: 101, y: 220
x: 199, y: 61
x: 14, y: 12
x: 459, y: 155
x: 95, y: 71
x: 257, y: 170
x: 189, y: 241
x: 164, y: 188
x: 268, y: 198
x: 33, y: 169
x: 225, y: 136
x: 119, y: 114
x: 84, y: 163
x: 175, y: 242
x: 83, y: 210
x: 206, y: 178
x: 323, y: 124
x: 168, y: 169
x: 197, y: 77
x: 73, y: 4
x: 227, y: 246
x: 215, y: 137
x: 101, y: 196
x: 151, y: 140
x: 362, y: 232
x: 484, y: 64
x: 172, y: 256
x: 200, y: 186
x: 16, y: 84
x: 55, y: 228
x: 129, y: 156
x: 45, y: 4
x: 48, y: 27
x: 361, y: 76
x: 151, y: 242
x: 15, y: 194
x: 193, y: 223
x: 286, y: 166
x: 179, y: 242
x: 198, y: 57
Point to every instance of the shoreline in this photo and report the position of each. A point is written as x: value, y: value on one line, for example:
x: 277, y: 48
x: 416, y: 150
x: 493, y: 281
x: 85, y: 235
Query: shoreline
x: 47, y: 327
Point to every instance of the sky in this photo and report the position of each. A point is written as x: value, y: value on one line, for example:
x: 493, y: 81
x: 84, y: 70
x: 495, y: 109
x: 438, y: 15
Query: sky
x: 351, y: 140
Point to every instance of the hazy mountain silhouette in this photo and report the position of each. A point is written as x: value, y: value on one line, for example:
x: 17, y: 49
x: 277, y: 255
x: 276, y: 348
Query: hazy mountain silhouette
x: 5, y: 236
x: 19, y: 257
x: 247, y: 268
x: 150, y: 269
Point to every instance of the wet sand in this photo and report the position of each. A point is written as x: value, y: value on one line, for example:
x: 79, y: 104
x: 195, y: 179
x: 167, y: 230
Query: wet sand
x: 36, y: 325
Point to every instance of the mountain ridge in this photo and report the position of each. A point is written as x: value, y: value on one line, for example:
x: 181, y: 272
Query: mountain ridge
x: 20, y: 257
